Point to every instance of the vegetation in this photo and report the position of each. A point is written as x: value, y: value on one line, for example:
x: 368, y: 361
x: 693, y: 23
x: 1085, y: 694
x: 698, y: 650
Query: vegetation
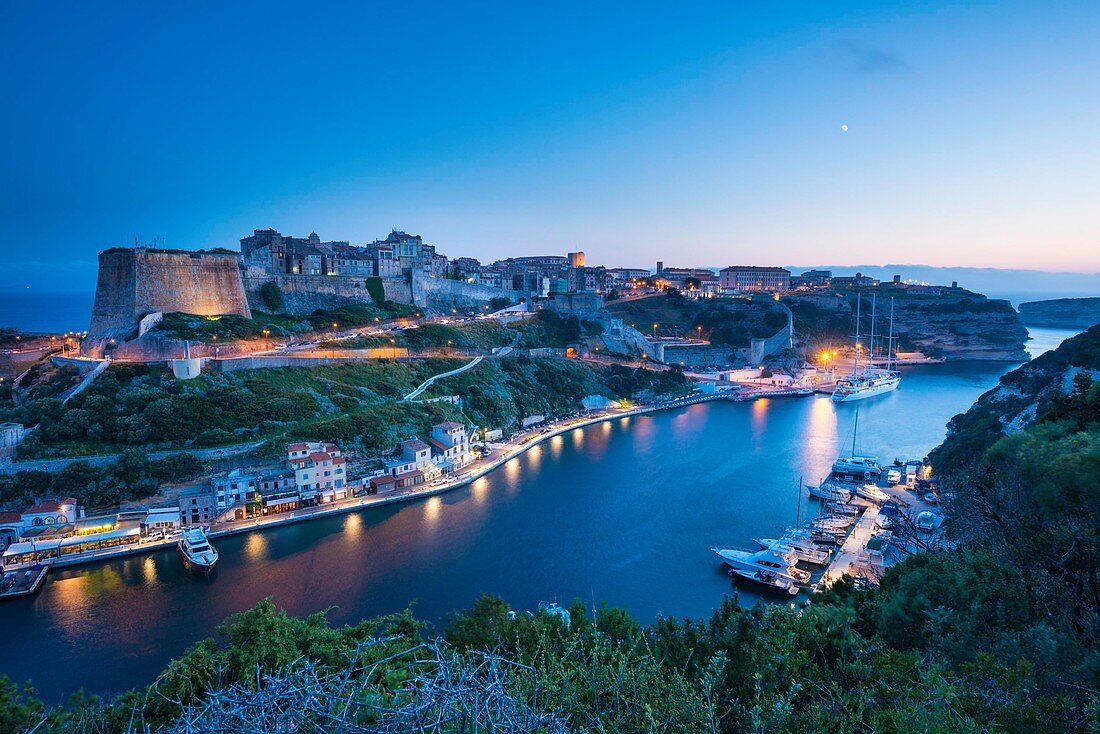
x: 483, y: 336
x: 728, y: 321
x: 272, y: 296
x: 232, y: 326
x: 133, y: 476
x: 377, y: 290
x: 551, y: 329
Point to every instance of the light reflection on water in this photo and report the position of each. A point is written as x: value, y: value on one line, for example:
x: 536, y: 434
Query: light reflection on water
x: 623, y: 512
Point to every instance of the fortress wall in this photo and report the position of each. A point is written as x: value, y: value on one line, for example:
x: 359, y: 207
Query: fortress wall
x: 304, y: 294
x: 134, y: 283
x: 444, y: 294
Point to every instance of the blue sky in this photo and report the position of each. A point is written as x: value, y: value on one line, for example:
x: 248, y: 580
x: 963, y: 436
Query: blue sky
x: 703, y: 135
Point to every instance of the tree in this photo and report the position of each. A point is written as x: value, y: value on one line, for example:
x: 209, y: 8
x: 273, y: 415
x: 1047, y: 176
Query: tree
x: 500, y: 302
x: 272, y: 296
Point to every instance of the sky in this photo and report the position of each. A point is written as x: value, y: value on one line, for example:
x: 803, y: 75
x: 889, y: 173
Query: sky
x: 698, y: 134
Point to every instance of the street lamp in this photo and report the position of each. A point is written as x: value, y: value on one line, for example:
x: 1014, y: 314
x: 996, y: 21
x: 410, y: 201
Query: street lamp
x: 215, y: 340
x: 266, y: 333
x: 655, y: 331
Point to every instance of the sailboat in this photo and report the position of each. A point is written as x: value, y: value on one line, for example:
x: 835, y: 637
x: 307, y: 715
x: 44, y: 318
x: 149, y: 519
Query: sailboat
x: 856, y: 464
x: 871, y: 380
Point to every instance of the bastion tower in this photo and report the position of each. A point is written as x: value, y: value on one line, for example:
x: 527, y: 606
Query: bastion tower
x: 136, y: 282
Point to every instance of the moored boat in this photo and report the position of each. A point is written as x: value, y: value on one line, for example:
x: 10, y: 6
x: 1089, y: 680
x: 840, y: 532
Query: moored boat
x: 769, y: 580
x: 196, y: 551
x: 872, y: 493
x: 829, y: 492
x: 768, y: 560
x: 807, y: 552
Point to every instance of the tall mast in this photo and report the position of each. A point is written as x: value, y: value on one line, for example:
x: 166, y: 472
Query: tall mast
x: 871, y: 339
x: 890, y: 342
x: 855, y: 432
x: 855, y: 358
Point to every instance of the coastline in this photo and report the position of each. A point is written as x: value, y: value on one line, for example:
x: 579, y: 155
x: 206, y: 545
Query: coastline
x: 509, y: 451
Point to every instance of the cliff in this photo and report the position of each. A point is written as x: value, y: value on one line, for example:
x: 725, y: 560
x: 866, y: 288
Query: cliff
x: 133, y: 283
x: 957, y: 326
x: 1024, y: 396
x: 1080, y: 313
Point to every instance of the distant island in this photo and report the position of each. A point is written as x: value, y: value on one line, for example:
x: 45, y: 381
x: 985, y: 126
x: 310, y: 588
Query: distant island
x: 1078, y: 313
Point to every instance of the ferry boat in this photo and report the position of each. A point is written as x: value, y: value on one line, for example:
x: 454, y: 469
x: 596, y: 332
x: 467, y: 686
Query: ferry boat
x: 769, y: 560
x: 196, y: 551
x: 871, y: 381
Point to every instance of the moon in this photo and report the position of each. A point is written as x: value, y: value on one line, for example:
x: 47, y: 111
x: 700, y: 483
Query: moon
x: 844, y: 128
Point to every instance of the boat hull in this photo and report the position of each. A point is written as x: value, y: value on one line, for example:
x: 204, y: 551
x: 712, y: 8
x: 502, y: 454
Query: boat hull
x: 883, y: 387
x: 192, y: 564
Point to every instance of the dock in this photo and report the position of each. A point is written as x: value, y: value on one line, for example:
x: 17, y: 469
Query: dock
x: 22, y: 582
x: 853, y: 558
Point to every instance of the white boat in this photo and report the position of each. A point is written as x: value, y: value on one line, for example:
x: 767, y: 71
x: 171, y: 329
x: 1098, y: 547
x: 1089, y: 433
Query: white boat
x: 830, y: 492
x: 768, y: 560
x: 832, y: 522
x: 871, y: 380
x: 769, y: 580
x: 857, y: 464
x: 196, y: 551
x: 893, y: 477
x: 843, y: 508
x: 806, y: 551
x: 872, y: 493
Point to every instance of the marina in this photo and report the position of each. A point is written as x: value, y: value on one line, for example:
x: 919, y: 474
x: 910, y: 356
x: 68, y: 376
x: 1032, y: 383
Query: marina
x: 631, y: 507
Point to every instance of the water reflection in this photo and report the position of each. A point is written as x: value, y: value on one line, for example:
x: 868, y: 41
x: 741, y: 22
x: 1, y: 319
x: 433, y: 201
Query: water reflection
x: 624, y: 513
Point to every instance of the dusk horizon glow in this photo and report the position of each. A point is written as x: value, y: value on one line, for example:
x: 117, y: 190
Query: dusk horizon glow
x: 705, y: 136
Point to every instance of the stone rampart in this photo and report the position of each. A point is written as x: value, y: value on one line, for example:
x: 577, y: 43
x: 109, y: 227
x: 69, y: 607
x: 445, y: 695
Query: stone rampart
x: 133, y: 283
x: 443, y: 294
x: 304, y: 294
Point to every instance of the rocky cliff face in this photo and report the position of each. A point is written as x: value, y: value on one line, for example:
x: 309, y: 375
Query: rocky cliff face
x: 1022, y: 395
x: 1066, y: 312
x: 969, y: 327
x: 956, y: 326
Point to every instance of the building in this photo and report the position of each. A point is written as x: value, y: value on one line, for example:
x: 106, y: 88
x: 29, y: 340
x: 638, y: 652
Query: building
x: 239, y: 489
x: 625, y: 274
x: 450, y: 446
x: 11, y: 435
x: 817, y: 277
x: 576, y: 259
x: 859, y: 280
x: 750, y: 278
x: 197, y: 506
x: 320, y: 472
x: 582, y: 304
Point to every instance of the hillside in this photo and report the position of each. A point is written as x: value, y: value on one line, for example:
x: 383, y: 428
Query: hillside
x: 725, y: 321
x: 1028, y: 395
x: 1078, y: 313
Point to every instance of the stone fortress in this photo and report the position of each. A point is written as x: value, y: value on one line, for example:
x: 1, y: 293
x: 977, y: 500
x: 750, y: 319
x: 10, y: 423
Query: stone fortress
x: 137, y: 285
x: 134, y: 284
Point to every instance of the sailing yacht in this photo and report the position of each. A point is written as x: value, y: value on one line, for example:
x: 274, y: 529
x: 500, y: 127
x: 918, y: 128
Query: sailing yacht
x: 856, y: 464
x: 871, y: 380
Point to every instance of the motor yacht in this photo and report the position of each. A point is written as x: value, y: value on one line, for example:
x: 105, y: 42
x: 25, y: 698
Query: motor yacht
x: 196, y: 551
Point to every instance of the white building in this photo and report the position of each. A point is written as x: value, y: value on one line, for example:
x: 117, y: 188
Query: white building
x: 450, y: 446
x: 321, y: 474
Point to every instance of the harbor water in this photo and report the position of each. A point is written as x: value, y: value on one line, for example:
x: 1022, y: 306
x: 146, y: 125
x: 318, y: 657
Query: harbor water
x: 622, y: 512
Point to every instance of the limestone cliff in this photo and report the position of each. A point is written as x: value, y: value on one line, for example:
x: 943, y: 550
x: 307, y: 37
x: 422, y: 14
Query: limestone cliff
x: 958, y: 325
x: 133, y: 283
x: 1078, y: 313
x: 1023, y: 395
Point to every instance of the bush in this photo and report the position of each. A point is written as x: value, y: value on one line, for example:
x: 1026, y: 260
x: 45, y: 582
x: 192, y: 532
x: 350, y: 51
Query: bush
x: 272, y: 296
x: 376, y: 289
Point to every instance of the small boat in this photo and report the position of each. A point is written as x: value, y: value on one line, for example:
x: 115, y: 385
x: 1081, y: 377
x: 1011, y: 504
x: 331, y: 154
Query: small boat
x: 830, y: 492
x: 770, y: 580
x: 196, y: 551
x: 858, y: 465
x: 827, y: 522
x: 872, y: 493
x: 817, y: 537
x: 843, y: 508
x: 884, y: 522
x: 806, y: 551
x: 767, y: 560
x: 893, y: 477
x: 931, y: 498
x: 926, y: 520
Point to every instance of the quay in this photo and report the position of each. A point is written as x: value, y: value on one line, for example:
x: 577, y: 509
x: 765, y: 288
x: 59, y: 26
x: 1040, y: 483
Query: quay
x: 504, y: 452
x: 22, y: 582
